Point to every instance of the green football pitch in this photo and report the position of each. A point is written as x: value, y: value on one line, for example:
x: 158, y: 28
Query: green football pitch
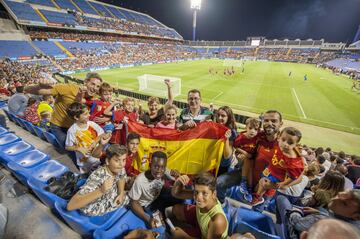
x: 324, y: 99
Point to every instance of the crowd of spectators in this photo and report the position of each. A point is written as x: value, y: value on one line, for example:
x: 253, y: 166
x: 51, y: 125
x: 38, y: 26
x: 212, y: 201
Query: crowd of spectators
x: 301, y: 185
x: 124, y: 26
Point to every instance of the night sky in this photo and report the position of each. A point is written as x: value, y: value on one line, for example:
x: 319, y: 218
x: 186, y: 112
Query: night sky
x: 333, y: 20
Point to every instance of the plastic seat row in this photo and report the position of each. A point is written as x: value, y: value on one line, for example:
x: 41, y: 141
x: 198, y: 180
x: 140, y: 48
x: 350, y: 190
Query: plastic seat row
x: 35, y: 130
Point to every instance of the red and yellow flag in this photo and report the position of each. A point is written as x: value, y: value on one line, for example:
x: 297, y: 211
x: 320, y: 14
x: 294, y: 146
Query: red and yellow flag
x: 190, y: 152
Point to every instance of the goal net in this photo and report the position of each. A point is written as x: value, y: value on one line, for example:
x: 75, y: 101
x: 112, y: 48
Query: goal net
x: 155, y: 85
x: 231, y: 62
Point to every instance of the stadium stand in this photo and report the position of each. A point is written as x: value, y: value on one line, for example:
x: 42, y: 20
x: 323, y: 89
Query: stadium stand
x: 16, y: 49
x: 42, y: 2
x: 59, y: 17
x: 23, y: 11
x: 49, y: 48
x: 85, y: 7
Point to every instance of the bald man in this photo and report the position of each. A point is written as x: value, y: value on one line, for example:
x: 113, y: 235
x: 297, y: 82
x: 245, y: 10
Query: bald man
x: 331, y: 229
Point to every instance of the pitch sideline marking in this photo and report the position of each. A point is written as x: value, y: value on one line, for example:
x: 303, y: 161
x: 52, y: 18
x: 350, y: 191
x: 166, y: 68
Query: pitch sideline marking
x: 218, y: 95
x: 298, y: 101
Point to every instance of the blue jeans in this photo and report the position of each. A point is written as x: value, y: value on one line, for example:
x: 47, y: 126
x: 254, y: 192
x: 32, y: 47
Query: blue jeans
x: 225, y: 181
x: 60, y: 134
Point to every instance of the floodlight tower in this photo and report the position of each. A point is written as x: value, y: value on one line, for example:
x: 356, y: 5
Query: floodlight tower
x: 195, y: 5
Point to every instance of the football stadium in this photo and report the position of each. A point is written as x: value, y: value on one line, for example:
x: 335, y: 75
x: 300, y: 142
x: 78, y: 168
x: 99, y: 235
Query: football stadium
x: 179, y: 119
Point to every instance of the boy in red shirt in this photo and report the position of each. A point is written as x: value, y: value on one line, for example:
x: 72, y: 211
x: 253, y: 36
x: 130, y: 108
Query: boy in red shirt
x: 285, y: 166
x: 245, y: 145
x: 119, y: 117
x: 98, y: 106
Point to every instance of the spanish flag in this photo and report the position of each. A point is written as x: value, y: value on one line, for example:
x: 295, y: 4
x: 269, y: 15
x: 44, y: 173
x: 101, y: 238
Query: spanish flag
x: 190, y: 152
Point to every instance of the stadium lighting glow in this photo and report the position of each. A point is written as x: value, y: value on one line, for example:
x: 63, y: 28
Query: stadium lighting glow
x: 196, y: 4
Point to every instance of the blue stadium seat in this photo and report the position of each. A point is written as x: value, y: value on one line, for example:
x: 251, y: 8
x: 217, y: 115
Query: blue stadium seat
x: 13, y: 149
x: 9, y: 115
x: 86, y: 225
x: 125, y: 224
x: 8, y: 139
x: 46, y: 197
x: 3, y: 131
x: 256, y: 219
x: 29, y: 126
x: 21, y: 122
x: 51, y: 139
x: 243, y: 227
x: 14, y: 49
x: 39, y: 132
x: 16, y: 119
x: 27, y: 159
x: 41, y: 172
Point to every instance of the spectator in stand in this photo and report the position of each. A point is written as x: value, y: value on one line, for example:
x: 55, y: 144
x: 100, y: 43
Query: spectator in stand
x: 267, y: 139
x: 66, y: 94
x: 104, y: 190
x: 331, y: 229
x: 17, y: 103
x: 344, y: 171
x: 147, y: 188
x: 245, y: 144
x: 354, y: 171
x: 206, y: 217
x: 82, y: 137
x: 330, y: 185
x: 345, y: 206
x: 285, y: 166
x: 30, y: 113
x: 132, y: 143
x: 155, y: 115
x: 194, y: 113
x: 170, y: 112
x: 225, y: 116
x: 313, y: 170
x: 98, y: 106
x: 120, y: 117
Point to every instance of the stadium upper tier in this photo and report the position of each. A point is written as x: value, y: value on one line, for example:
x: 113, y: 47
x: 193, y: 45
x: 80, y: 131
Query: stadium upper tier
x: 87, y: 15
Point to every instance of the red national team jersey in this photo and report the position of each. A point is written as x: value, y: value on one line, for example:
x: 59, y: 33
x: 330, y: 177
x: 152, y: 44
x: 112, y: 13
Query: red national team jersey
x: 97, y: 109
x: 130, y: 171
x: 281, y: 166
x: 246, y: 144
x: 264, y: 153
x: 119, y: 135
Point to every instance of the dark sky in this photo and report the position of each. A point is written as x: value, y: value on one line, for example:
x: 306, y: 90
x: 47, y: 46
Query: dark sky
x: 333, y: 20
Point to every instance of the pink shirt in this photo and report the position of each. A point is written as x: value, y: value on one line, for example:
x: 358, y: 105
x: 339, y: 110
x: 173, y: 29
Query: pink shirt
x: 163, y: 126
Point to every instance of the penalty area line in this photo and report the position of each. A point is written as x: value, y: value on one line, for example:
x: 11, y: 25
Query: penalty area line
x: 298, y: 101
x: 217, y: 96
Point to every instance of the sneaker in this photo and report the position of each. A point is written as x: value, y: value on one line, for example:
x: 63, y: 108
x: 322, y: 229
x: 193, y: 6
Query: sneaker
x: 248, y: 197
x: 243, y: 188
x: 257, y: 200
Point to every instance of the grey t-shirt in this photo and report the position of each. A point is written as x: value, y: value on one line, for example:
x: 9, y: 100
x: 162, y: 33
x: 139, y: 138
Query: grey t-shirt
x: 17, y: 104
x: 144, y: 190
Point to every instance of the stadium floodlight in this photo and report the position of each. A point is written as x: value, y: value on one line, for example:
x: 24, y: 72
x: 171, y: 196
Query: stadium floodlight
x: 196, y: 6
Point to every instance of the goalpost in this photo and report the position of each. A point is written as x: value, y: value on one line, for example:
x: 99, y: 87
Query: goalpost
x: 231, y: 62
x: 155, y: 85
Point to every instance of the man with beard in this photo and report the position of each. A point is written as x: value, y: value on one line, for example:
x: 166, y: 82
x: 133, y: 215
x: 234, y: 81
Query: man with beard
x: 272, y: 121
x: 65, y: 95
